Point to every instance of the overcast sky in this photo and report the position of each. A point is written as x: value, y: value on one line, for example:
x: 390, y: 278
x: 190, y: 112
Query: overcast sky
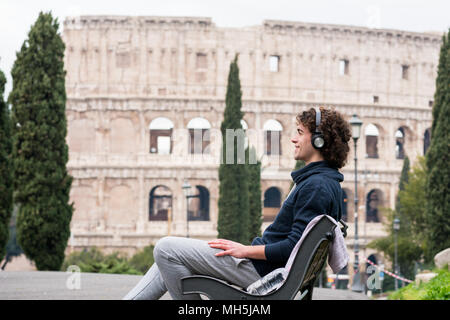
x: 17, y: 16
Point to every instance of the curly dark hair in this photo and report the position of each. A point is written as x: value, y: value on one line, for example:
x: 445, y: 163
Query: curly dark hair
x: 336, y: 132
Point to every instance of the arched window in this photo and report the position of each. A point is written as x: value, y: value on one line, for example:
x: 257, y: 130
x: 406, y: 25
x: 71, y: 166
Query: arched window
x: 272, y: 203
x: 400, y: 143
x: 371, y: 134
x: 160, y: 203
x: 426, y: 140
x: 272, y: 137
x: 160, y: 136
x: 373, y: 203
x: 199, y: 136
x: 199, y: 205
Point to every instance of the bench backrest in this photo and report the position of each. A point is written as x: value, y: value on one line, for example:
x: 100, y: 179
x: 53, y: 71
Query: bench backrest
x: 309, y: 260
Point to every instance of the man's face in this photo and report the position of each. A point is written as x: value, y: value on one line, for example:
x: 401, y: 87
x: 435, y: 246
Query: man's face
x: 302, y: 142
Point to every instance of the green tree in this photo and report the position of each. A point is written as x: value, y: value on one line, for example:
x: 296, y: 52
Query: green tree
x: 233, y: 200
x: 412, y: 200
x: 408, y: 248
x: 438, y: 159
x: 403, y: 181
x: 6, y: 178
x: 254, y: 193
x: 40, y: 153
x: 410, y: 244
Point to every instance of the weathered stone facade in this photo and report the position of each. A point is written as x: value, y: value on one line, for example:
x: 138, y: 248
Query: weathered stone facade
x: 125, y: 72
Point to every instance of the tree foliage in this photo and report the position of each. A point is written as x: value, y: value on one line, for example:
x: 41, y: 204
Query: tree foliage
x: 40, y: 153
x: 254, y: 194
x: 6, y: 177
x: 233, y: 200
x: 410, y: 210
x: 438, y: 159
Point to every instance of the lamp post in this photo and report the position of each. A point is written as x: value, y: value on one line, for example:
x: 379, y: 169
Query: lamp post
x: 186, y: 189
x: 356, y: 124
x: 396, y: 228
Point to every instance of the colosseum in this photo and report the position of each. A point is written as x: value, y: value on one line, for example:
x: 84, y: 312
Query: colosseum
x: 145, y: 101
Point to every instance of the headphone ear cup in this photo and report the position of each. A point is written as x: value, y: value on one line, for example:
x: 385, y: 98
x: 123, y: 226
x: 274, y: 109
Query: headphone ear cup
x: 317, y: 140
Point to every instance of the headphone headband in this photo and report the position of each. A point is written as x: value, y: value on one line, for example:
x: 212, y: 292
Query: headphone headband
x: 317, y: 139
x: 318, y: 118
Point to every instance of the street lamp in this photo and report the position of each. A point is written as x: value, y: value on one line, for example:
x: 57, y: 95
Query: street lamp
x: 396, y: 227
x: 187, y: 190
x: 356, y: 124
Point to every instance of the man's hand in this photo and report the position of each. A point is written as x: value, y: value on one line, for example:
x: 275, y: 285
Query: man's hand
x: 230, y: 248
x: 238, y: 250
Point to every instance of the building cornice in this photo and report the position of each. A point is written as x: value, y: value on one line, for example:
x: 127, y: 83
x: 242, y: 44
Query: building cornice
x: 270, y: 26
x: 121, y: 22
x: 291, y: 27
x: 248, y: 105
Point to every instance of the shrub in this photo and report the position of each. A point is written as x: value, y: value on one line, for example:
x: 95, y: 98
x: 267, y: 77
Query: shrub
x: 438, y: 288
x: 143, y: 259
x: 93, y: 260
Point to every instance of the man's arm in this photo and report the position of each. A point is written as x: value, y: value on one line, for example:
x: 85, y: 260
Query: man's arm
x: 238, y: 250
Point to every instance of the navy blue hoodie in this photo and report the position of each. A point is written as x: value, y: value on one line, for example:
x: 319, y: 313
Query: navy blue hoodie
x: 317, y: 191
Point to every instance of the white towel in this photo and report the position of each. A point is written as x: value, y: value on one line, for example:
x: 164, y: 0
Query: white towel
x: 337, y: 252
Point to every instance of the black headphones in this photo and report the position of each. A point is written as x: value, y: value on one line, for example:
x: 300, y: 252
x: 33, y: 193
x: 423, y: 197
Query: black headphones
x: 317, y: 139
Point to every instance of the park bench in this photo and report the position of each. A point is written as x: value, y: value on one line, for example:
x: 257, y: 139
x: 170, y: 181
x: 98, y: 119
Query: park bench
x: 307, y: 264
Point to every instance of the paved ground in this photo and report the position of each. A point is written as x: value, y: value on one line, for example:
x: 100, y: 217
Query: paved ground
x: 46, y: 285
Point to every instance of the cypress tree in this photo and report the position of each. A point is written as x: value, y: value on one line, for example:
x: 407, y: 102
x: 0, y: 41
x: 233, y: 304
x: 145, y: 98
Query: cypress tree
x: 233, y: 200
x: 254, y: 194
x: 6, y: 178
x: 401, y: 186
x: 438, y: 158
x: 40, y: 153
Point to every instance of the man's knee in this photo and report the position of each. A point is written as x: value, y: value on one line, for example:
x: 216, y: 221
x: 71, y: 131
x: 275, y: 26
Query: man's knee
x: 163, y: 247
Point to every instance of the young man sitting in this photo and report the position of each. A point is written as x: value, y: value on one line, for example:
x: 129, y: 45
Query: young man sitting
x: 321, y: 140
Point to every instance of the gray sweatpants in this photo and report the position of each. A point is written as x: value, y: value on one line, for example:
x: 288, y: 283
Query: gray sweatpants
x: 177, y: 257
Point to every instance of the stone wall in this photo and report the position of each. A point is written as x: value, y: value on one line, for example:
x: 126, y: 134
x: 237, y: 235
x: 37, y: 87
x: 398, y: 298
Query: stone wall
x: 123, y: 72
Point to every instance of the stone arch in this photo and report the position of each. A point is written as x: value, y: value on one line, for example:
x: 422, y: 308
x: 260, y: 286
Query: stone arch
x: 374, y: 202
x: 199, y: 204
x: 160, y: 203
x: 161, y: 129
x: 272, y: 203
x: 403, y: 139
x: 372, y: 134
x: 199, y: 136
x: 272, y: 137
